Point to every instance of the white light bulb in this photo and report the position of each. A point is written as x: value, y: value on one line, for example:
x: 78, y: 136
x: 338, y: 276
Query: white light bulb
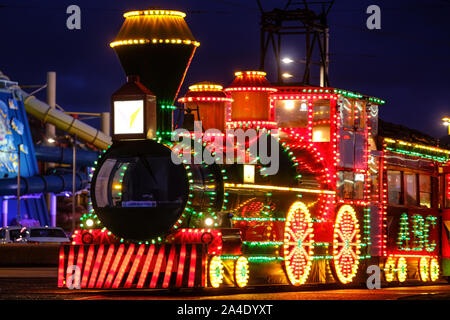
x: 89, y: 222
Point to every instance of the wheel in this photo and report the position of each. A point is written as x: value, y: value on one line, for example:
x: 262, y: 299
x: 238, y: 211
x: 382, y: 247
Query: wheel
x: 389, y: 269
x: 434, y: 269
x: 346, y: 244
x: 298, y: 244
x: 402, y: 269
x: 215, y: 271
x: 424, y: 269
x: 241, y: 272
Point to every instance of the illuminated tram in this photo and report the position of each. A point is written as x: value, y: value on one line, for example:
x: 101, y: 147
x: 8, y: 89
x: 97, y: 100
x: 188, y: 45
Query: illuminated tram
x: 342, y: 197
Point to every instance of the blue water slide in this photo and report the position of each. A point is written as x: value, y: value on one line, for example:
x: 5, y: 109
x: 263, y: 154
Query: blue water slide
x: 84, y: 158
x: 43, y: 184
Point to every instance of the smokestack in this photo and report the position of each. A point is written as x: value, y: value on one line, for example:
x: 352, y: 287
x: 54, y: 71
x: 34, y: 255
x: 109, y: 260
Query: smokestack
x: 158, y: 46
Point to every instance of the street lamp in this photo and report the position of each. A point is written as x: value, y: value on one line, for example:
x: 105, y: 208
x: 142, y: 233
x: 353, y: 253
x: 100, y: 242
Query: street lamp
x: 446, y: 121
x: 287, y: 60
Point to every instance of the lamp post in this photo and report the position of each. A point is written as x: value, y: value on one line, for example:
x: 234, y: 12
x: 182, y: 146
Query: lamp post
x: 446, y: 121
x: 74, y: 150
x: 18, y: 183
x: 73, y: 140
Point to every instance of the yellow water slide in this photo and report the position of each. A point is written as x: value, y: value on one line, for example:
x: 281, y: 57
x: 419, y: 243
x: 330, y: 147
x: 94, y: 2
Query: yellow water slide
x: 62, y: 121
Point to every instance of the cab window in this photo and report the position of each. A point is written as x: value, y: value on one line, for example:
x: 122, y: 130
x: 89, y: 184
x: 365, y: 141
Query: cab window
x: 321, y: 121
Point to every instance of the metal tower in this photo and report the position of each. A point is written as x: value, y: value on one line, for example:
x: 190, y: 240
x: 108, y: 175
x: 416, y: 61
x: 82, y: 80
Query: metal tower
x: 297, y: 19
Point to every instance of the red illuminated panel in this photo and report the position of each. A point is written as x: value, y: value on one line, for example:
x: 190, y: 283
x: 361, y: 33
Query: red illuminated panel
x: 80, y: 258
x: 114, y: 266
x: 146, y: 266
x: 192, y: 266
x: 133, y: 270
x: 98, y: 261
x: 447, y: 190
x: 87, y: 266
x: 105, y: 266
x: 169, y: 267
x: 181, y: 265
x: 71, y: 259
x: 123, y: 267
x: 157, y: 268
x: 61, y: 268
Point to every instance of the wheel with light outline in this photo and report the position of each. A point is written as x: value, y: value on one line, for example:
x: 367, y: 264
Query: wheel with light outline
x: 346, y: 244
x: 402, y: 269
x: 424, y: 269
x: 390, y: 272
x: 215, y: 271
x: 241, y: 272
x: 298, y: 244
x: 434, y: 269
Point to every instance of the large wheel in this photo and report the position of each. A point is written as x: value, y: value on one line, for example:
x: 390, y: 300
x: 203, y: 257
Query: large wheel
x: 241, y: 272
x: 389, y: 269
x: 346, y: 244
x: 434, y: 269
x: 402, y: 269
x: 424, y: 269
x: 298, y: 244
x: 215, y: 271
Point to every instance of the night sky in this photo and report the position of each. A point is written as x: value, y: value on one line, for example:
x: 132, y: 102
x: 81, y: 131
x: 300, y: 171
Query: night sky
x: 406, y: 62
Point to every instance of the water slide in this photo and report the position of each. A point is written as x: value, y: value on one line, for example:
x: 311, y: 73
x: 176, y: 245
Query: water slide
x: 62, y: 121
x: 15, y: 134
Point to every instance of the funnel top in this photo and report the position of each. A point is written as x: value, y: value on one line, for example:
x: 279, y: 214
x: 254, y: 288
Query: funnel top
x: 155, y: 12
x: 250, y: 81
x: 205, y: 92
x: 154, y: 27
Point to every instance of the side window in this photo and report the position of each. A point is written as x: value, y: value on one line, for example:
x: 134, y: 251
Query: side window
x: 346, y: 149
x: 345, y: 184
x: 425, y: 190
x: 291, y: 113
x: 410, y: 188
x: 347, y: 116
x: 359, y: 186
x: 2, y: 234
x: 394, y: 187
x: 360, y: 114
x: 321, y: 121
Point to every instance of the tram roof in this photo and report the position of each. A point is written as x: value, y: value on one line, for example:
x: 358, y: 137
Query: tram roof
x: 298, y: 88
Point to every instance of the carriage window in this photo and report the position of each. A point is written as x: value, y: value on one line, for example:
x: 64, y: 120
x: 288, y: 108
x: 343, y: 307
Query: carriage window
x: 425, y: 190
x: 394, y: 187
x: 359, y: 186
x: 346, y: 149
x: 321, y: 121
x: 291, y: 113
x: 347, y: 113
x: 360, y: 114
x: 410, y: 188
x: 345, y: 184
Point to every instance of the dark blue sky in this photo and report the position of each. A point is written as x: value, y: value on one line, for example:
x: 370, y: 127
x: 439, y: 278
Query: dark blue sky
x: 406, y: 62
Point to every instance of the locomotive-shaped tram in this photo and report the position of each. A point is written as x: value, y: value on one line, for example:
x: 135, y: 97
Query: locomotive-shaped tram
x: 278, y: 184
